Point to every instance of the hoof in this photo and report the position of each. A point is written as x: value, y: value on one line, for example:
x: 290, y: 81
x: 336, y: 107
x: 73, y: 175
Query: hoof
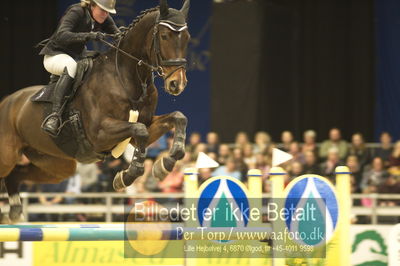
x: 15, y: 214
x: 178, y: 152
x: 4, y: 218
x: 163, y: 167
x: 118, y: 183
x: 134, y: 171
x: 125, y: 178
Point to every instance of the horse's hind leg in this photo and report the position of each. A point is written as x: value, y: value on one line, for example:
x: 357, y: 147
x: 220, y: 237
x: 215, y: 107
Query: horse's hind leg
x: 12, y: 182
x: 10, y: 153
x: 160, y: 126
x: 43, y: 169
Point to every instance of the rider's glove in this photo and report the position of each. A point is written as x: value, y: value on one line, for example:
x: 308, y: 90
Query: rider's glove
x: 96, y: 36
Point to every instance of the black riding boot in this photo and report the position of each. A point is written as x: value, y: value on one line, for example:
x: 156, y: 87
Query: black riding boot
x: 52, y: 123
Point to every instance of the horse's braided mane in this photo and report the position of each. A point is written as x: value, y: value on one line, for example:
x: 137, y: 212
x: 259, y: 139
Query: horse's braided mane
x: 138, y: 18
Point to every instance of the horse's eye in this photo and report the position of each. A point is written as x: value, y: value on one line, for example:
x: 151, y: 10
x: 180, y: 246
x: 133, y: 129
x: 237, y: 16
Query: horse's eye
x: 164, y: 36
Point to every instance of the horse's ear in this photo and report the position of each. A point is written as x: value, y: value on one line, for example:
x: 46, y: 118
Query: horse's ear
x: 185, y: 8
x: 163, y: 8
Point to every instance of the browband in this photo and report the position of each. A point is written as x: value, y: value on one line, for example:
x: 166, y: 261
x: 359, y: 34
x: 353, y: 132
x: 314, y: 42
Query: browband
x: 173, y: 27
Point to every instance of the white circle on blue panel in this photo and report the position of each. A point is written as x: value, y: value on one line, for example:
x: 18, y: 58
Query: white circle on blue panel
x: 313, y: 209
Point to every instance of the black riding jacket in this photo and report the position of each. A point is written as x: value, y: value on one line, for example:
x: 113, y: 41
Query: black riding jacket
x: 71, y: 35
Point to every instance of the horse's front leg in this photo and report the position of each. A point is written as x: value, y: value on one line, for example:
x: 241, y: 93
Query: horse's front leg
x: 161, y: 125
x: 116, y: 131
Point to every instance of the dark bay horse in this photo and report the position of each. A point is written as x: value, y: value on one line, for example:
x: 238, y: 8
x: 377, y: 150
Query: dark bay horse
x: 158, y: 40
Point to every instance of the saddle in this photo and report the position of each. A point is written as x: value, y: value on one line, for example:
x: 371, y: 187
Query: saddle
x: 72, y: 139
x: 45, y: 94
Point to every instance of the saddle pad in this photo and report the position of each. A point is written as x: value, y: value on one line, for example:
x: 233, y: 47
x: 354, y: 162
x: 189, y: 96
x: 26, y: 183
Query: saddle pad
x: 72, y: 138
x: 45, y: 94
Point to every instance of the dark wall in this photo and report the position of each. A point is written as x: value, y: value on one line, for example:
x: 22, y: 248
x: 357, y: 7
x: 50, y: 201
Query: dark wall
x: 300, y: 65
x: 22, y: 25
x: 237, y: 50
x: 387, y: 25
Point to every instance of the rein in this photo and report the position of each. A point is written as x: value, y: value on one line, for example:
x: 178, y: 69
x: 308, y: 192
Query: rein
x: 140, y: 61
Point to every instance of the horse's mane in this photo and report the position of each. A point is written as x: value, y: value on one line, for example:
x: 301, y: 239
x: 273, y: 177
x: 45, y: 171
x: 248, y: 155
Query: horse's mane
x: 139, y: 18
x: 125, y: 30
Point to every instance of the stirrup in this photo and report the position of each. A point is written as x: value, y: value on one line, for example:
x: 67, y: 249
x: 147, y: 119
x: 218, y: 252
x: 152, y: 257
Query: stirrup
x: 47, y: 130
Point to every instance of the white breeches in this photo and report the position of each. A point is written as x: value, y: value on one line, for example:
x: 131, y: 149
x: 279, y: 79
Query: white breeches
x: 55, y: 64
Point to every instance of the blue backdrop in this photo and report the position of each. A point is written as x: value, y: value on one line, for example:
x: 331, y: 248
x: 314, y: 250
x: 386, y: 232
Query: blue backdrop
x: 387, y: 30
x: 194, y: 102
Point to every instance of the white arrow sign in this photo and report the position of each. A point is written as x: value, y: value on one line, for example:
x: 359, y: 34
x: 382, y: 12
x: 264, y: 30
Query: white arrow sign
x: 279, y: 157
x: 204, y: 161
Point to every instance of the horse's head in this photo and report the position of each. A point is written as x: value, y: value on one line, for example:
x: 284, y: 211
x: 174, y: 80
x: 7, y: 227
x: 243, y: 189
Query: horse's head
x: 170, y: 40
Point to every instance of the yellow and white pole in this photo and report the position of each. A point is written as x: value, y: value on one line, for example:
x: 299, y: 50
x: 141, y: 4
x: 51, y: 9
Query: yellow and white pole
x: 254, y: 177
x: 254, y: 187
x: 191, y: 182
x: 343, y: 192
x: 190, y: 192
x: 277, y: 177
x: 338, y: 248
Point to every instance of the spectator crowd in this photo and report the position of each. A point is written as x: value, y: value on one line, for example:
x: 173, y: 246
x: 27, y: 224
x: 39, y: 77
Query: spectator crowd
x: 374, y: 169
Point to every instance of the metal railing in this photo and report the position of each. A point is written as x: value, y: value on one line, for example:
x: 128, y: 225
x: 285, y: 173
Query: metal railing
x: 108, y: 207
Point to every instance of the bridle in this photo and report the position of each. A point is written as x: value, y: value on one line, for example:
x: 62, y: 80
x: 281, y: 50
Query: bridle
x: 160, y: 63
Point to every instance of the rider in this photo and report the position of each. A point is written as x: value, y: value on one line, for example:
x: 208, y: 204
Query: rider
x: 81, y: 23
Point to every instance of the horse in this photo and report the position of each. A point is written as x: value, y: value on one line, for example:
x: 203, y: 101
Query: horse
x: 120, y: 80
